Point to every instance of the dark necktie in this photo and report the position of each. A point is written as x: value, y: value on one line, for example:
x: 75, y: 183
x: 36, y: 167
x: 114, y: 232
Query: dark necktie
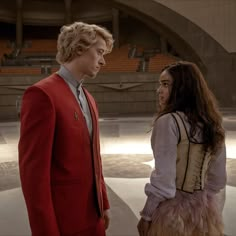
x: 82, y: 102
x: 78, y: 96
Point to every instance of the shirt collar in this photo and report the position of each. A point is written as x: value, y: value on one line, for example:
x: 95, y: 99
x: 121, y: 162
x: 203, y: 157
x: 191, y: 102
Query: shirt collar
x: 67, y: 75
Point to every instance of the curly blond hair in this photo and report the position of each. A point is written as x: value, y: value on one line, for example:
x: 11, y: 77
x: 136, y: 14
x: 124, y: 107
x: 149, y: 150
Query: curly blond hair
x: 78, y: 37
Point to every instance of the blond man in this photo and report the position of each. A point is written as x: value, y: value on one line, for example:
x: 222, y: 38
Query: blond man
x: 59, y: 153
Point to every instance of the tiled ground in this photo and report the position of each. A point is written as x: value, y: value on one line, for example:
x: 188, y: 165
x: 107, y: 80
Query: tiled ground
x: 127, y: 161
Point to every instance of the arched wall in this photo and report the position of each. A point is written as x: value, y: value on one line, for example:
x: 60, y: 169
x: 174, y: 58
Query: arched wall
x: 216, y: 17
x: 191, y: 42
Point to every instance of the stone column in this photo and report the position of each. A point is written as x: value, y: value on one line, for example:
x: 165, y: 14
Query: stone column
x: 19, y: 24
x: 163, y: 45
x: 68, y: 14
x: 115, y: 26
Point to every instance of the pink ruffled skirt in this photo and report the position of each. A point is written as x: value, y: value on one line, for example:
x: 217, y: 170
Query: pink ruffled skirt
x: 196, y: 214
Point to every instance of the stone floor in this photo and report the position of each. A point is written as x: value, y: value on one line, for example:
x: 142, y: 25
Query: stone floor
x: 127, y: 164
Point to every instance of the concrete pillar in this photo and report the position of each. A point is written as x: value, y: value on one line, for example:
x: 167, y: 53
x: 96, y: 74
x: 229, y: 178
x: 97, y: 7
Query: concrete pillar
x: 115, y: 26
x: 68, y: 14
x: 163, y: 45
x: 19, y: 24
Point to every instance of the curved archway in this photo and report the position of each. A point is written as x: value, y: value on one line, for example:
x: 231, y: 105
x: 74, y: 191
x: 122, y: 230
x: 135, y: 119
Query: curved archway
x: 190, y: 41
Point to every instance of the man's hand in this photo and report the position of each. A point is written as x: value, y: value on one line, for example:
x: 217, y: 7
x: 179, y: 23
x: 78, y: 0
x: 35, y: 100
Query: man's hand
x: 106, y: 219
x: 143, y: 227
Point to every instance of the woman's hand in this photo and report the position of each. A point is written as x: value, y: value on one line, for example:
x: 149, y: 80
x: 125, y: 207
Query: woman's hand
x: 143, y: 227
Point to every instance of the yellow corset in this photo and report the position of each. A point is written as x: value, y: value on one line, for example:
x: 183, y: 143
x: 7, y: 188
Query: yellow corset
x: 192, y: 161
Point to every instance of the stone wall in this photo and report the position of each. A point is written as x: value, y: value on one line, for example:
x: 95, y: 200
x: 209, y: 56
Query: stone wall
x: 117, y: 94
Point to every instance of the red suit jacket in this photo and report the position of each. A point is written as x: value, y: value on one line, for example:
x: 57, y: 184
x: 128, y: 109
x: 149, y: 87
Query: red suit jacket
x: 60, y: 166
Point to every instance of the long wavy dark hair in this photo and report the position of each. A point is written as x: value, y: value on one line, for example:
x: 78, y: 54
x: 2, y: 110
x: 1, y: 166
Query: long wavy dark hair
x: 191, y: 95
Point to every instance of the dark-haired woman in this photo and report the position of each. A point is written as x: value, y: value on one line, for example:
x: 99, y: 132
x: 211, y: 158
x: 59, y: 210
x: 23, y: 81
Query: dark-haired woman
x: 188, y: 145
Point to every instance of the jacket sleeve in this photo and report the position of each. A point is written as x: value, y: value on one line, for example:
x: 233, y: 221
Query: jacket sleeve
x: 35, y: 156
x: 106, y: 204
x: 105, y: 200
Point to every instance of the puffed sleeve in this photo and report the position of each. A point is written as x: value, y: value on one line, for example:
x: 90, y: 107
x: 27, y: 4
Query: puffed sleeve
x: 162, y: 186
x: 216, y: 174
